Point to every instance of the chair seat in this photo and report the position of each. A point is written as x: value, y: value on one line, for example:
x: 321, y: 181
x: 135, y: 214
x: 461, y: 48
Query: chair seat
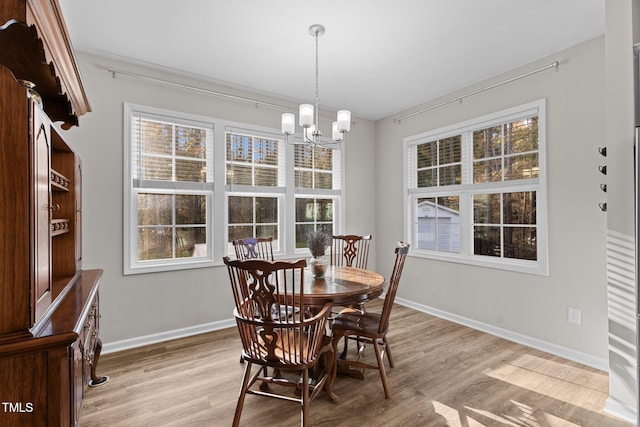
x: 354, y: 322
x: 285, y: 345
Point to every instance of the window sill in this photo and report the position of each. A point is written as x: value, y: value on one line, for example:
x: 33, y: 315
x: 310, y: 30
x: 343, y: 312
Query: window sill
x: 519, y: 266
x: 158, y: 267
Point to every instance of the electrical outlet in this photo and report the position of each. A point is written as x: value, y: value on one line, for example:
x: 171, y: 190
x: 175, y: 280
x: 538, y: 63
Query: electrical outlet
x: 574, y: 315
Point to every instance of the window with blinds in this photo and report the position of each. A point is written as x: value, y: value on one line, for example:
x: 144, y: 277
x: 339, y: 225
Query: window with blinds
x: 317, y: 181
x: 316, y: 167
x: 189, y: 179
x: 255, y: 182
x: 476, y: 193
x: 170, y: 189
x: 253, y: 160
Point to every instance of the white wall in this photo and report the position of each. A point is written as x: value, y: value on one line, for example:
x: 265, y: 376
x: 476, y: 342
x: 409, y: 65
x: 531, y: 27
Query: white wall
x: 144, y: 307
x: 528, y: 306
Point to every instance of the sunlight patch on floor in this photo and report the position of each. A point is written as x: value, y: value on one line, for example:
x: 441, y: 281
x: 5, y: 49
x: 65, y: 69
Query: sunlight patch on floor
x: 559, y: 381
x: 454, y: 418
x: 493, y: 417
x: 522, y: 416
x: 536, y: 417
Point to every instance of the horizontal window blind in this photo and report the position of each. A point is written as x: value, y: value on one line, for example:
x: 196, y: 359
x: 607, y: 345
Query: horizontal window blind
x: 316, y: 167
x: 254, y: 160
x: 172, y: 151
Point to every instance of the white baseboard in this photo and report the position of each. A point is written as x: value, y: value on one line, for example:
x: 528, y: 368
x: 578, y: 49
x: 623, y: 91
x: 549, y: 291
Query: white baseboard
x: 558, y: 350
x: 567, y: 353
x: 166, y: 336
x: 621, y: 410
x: 613, y: 407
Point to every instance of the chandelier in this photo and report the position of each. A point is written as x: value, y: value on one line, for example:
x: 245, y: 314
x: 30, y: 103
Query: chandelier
x: 308, y: 114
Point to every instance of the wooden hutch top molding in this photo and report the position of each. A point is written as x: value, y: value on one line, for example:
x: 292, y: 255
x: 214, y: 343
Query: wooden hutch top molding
x: 35, y: 46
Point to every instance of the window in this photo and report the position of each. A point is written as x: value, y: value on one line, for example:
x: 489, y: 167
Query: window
x: 169, y: 190
x: 194, y: 184
x: 258, y: 194
x: 315, y: 167
x: 312, y: 214
x: 317, y: 182
x: 476, y: 194
x: 255, y: 171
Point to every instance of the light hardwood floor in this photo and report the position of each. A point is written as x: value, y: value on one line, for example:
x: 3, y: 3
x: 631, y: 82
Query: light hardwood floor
x: 445, y: 375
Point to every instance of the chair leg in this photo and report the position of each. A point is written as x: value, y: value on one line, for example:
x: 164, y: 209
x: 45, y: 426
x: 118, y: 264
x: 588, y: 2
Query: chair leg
x: 329, y: 360
x: 383, y: 375
x: 305, y: 397
x: 387, y: 350
x: 243, y: 393
x: 343, y: 355
x: 334, y: 369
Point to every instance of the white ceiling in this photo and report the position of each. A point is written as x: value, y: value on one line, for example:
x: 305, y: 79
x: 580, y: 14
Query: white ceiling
x: 377, y: 57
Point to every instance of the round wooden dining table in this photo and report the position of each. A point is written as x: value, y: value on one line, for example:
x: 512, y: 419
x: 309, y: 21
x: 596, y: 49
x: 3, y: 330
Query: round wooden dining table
x: 342, y: 286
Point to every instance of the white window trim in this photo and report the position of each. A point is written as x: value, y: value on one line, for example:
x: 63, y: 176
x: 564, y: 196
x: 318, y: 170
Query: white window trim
x: 130, y: 213
x: 217, y: 211
x: 466, y: 191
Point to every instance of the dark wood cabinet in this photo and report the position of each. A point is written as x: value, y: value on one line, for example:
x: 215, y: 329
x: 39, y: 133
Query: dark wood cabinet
x: 49, y: 306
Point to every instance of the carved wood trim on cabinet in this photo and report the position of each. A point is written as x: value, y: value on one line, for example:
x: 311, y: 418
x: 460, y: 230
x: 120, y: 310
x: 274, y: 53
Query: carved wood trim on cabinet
x: 35, y: 45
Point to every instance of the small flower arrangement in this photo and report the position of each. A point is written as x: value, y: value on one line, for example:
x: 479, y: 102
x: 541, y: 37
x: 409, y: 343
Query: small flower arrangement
x: 317, y: 241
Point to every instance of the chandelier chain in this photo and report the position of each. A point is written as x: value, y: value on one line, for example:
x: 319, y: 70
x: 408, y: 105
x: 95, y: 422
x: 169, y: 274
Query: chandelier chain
x: 317, y: 72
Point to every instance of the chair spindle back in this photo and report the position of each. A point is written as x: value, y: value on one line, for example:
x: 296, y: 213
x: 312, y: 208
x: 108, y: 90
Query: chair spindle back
x: 275, y: 328
x: 350, y: 250
x: 254, y: 248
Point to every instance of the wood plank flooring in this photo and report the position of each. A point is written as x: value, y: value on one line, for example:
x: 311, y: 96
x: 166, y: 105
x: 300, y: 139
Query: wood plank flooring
x: 445, y: 375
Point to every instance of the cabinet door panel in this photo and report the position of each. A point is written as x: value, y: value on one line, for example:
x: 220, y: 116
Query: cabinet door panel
x: 41, y: 212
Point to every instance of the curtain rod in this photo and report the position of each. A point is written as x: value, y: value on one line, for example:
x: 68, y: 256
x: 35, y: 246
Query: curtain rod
x: 114, y: 71
x: 461, y: 97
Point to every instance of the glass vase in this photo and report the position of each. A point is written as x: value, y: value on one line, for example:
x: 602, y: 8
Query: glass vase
x: 318, y: 266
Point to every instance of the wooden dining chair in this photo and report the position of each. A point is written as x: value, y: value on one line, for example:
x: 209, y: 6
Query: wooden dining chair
x: 277, y: 331
x: 370, y: 327
x: 350, y: 250
x: 254, y: 248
